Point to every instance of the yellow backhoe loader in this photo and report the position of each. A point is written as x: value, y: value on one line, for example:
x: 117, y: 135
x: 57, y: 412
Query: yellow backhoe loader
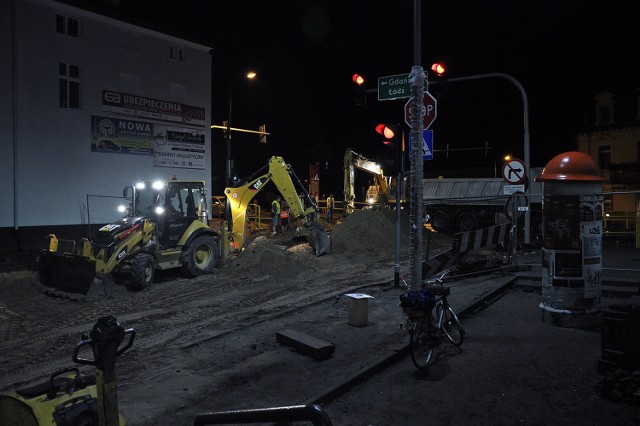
x: 280, y: 173
x: 166, y: 227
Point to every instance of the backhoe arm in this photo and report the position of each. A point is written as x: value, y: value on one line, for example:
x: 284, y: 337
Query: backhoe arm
x: 239, y: 199
x: 281, y: 175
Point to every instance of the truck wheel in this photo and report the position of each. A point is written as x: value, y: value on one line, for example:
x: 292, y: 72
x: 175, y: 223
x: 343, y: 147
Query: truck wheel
x: 142, y: 272
x: 467, y: 222
x: 440, y: 221
x: 200, y: 257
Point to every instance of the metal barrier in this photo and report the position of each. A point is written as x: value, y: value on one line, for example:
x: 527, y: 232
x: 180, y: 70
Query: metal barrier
x: 103, y: 209
x: 296, y: 413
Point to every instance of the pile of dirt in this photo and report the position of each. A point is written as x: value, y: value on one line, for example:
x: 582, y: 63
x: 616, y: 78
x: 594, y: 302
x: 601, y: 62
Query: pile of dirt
x: 370, y: 231
x: 19, y: 261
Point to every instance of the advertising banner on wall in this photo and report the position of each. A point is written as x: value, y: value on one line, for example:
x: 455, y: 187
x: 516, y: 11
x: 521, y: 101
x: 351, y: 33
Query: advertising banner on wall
x: 117, y: 136
x: 179, y: 148
x: 173, y: 132
x: 123, y: 104
x: 170, y: 146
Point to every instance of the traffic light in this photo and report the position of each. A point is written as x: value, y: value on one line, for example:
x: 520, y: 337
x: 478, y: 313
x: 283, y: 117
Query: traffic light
x: 263, y: 133
x: 438, y: 69
x: 388, y: 131
x: 359, y: 91
x: 393, y: 140
x: 441, y: 83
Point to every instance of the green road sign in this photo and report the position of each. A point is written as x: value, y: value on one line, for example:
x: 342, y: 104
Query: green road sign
x: 394, y: 87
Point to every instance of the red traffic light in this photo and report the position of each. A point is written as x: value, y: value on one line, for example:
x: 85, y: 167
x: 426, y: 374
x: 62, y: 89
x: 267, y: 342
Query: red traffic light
x: 358, y: 79
x: 387, y: 131
x: 438, y: 68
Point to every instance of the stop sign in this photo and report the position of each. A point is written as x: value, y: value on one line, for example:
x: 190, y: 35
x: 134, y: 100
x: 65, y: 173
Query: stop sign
x: 429, y: 111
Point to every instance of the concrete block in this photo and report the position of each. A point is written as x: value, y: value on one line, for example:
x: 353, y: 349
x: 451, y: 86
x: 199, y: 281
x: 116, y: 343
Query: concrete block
x: 306, y: 345
x: 358, y: 309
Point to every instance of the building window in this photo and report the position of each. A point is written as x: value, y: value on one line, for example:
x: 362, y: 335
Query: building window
x: 604, y: 114
x: 69, y: 85
x: 68, y: 26
x: 604, y: 108
x: 604, y: 156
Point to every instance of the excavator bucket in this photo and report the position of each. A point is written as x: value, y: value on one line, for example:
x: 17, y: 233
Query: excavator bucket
x: 73, y: 273
x: 319, y: 239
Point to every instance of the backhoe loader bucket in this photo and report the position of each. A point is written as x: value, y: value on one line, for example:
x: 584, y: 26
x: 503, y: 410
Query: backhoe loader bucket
x: 319, y: 239
x: 73, y: 274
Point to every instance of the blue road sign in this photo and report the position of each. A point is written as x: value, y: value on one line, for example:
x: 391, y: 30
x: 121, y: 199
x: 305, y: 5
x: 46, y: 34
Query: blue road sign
x: 427, y: 144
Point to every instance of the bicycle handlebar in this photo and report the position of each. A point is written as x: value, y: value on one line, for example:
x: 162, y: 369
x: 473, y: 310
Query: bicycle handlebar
x: 438, y: 279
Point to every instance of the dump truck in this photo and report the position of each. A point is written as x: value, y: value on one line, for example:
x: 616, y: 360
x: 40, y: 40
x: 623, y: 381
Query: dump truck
x: 282, y: 175
x: 165, y: 226
x: 464, y: 204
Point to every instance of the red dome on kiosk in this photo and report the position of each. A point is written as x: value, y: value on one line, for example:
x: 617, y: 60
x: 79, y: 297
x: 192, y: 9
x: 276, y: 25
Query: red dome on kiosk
x: 571, y: 166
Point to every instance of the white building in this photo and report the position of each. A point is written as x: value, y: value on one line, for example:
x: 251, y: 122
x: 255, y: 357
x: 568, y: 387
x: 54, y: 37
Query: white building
x: 89, y: 105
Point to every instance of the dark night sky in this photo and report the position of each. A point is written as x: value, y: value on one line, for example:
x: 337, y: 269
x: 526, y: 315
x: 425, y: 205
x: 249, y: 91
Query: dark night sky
x: 562, y: 52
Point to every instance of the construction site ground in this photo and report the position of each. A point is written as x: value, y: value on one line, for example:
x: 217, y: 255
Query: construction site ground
x: 209, y: 343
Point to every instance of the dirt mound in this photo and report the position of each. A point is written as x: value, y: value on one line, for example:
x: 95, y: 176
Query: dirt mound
x: 367, y: 231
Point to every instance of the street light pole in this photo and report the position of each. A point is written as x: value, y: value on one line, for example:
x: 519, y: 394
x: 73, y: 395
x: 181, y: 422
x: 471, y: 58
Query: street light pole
x: 227, y: 137
x: 526, y: 137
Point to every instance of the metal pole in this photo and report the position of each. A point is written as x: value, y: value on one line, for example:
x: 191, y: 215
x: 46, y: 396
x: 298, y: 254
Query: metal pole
x: 227, y: 137
x: 400, y: 167
x: 416, y: 207
x: 396, y: 271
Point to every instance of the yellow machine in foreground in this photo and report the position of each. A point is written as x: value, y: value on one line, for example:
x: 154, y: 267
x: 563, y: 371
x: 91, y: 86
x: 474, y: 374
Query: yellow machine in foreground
x: 280, y: 173
x: 166, y: 228
x: 75, y: 399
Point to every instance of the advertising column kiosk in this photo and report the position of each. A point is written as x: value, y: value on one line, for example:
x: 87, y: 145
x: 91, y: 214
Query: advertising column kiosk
x: 572, y: 241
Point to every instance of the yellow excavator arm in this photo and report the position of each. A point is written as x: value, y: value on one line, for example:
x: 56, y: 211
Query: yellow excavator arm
x: 240, y: 197
x: 379, y: 191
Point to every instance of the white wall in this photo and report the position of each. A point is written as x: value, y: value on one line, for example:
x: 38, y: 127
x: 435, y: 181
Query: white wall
x: 6, y: 118
x: 56, y: 166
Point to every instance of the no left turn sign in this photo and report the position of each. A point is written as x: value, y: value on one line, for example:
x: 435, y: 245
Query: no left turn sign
x: 514, y: 171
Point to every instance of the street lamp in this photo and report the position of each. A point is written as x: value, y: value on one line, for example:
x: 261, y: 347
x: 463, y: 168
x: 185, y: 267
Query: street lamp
x: 250, y: 75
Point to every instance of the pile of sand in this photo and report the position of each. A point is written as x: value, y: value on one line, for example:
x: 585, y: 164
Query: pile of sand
x: 363, y: 233
x: 367, y: 231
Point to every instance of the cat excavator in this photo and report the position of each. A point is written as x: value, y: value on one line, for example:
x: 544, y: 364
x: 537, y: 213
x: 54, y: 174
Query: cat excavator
x: 165, y: 226
x: 376, y: 193
x: 281, y: 174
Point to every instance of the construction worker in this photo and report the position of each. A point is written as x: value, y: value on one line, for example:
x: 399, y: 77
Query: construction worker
x: 330, y: 205
x: 284, y: 216
x: 275, y: 210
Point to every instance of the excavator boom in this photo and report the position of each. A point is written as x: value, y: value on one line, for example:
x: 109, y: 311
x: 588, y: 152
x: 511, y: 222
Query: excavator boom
x: 280, y: 173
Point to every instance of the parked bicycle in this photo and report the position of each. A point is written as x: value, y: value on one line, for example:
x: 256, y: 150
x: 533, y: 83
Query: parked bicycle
x: 427, y: 331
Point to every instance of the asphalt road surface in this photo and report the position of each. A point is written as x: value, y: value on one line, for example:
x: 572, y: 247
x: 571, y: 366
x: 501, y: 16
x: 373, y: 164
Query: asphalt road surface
x: 512, y: 369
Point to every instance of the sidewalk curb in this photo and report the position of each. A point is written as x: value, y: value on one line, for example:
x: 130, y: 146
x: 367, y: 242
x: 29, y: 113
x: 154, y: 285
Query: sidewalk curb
x: 363, y: 374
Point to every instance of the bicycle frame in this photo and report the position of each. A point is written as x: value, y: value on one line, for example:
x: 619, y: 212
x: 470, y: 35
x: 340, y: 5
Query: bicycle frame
x: 428, y: 331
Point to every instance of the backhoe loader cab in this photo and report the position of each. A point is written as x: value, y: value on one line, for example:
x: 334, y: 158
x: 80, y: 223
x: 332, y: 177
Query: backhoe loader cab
x: 166, y: 227
x: 171, y: 205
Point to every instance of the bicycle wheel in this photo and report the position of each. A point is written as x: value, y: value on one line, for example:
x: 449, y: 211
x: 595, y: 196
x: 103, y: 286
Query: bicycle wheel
x: 450, y: 324
x: 421, y: 344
